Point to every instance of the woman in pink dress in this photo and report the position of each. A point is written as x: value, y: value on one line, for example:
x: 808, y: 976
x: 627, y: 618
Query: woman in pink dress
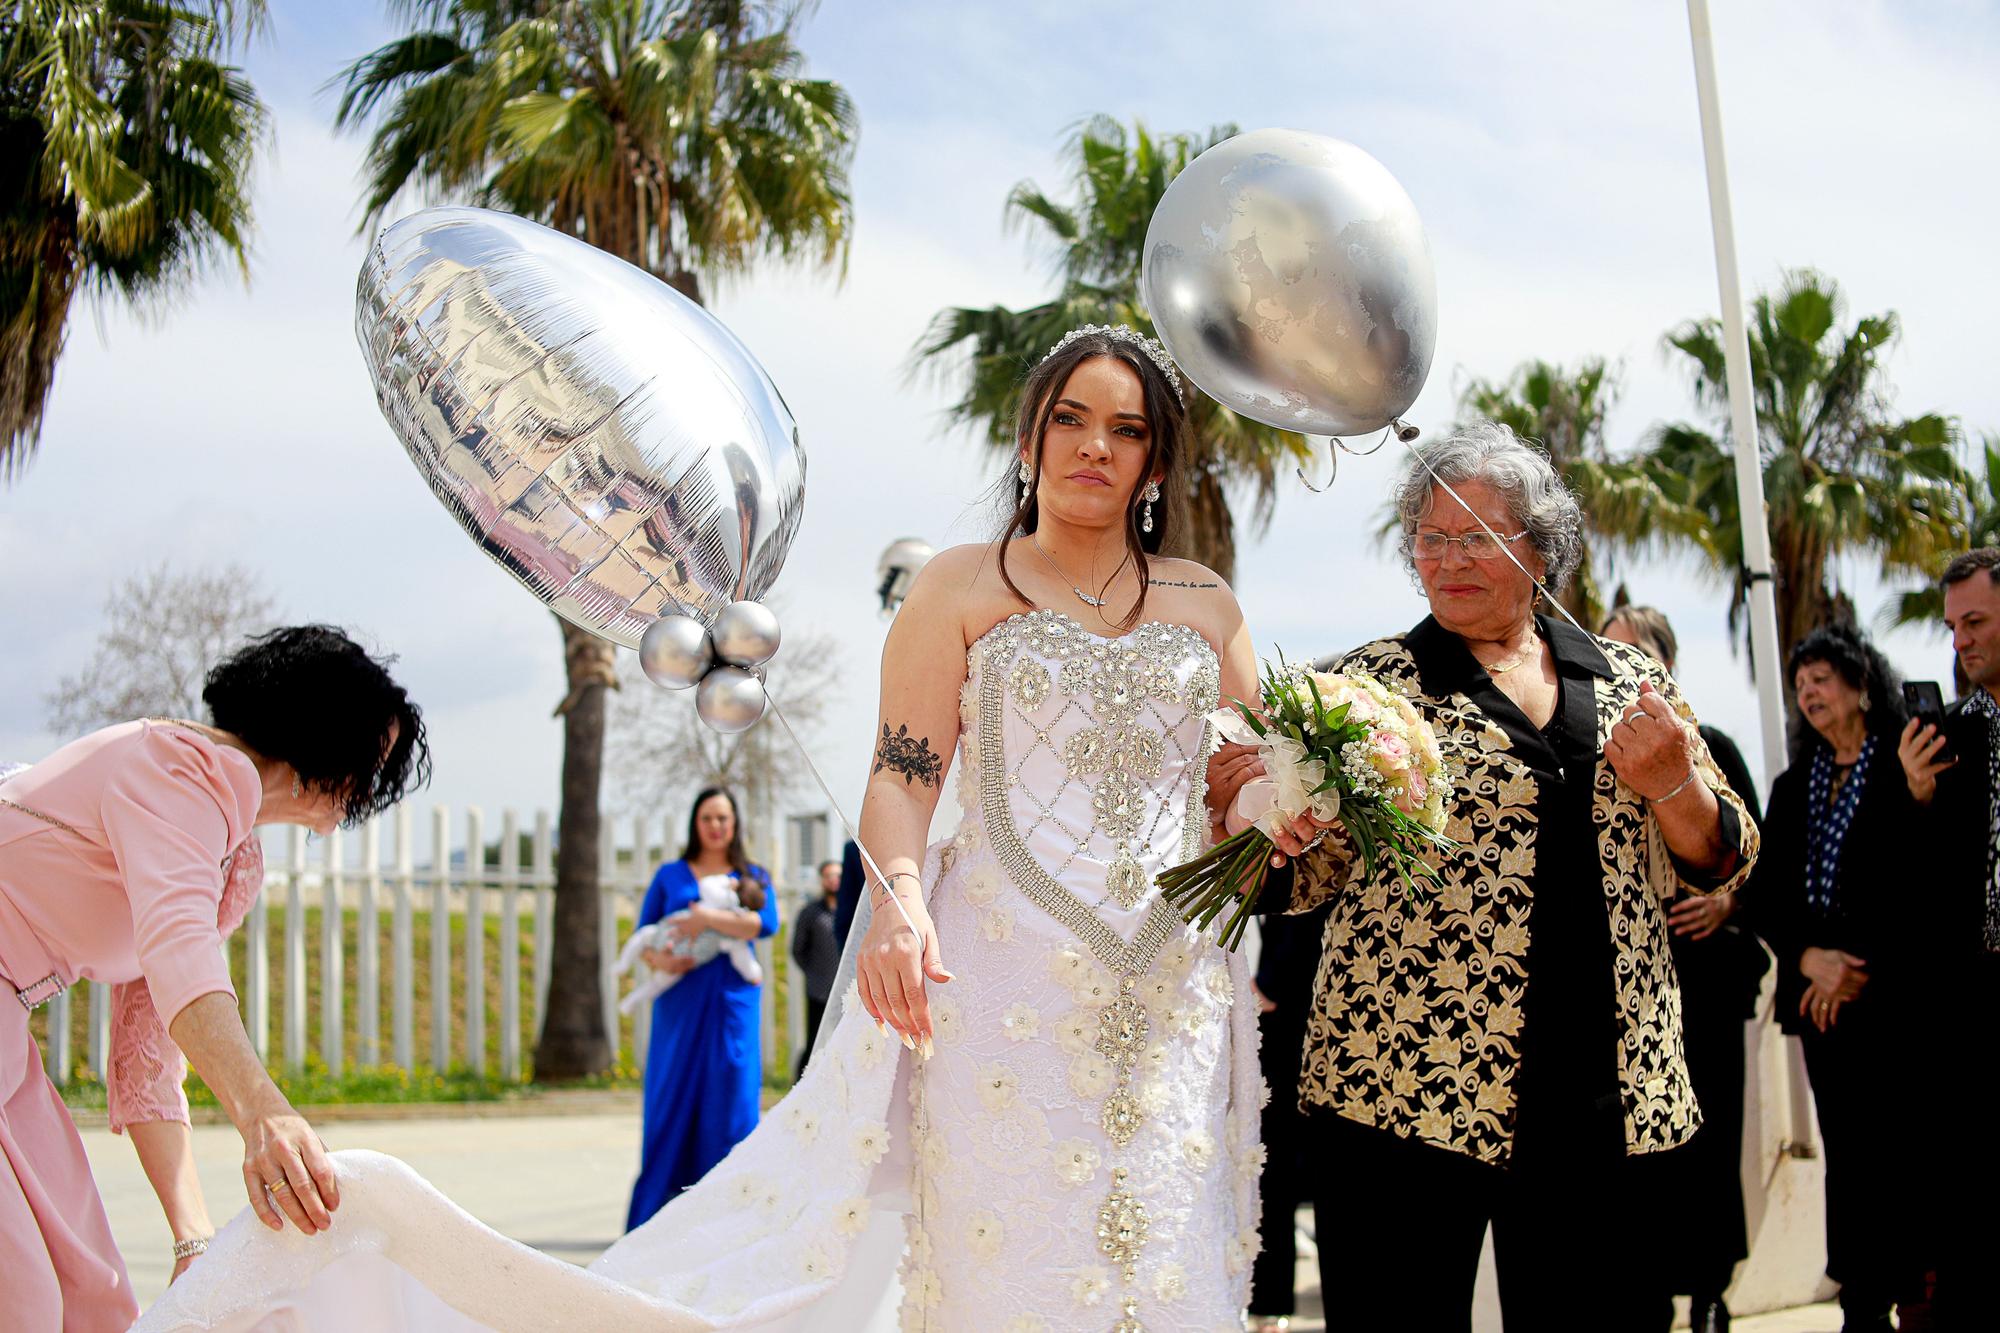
x: 126, y: 857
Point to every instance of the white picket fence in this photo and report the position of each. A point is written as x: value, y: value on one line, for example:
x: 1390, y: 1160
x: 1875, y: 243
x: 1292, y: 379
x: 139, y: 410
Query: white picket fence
x: 348, y: 871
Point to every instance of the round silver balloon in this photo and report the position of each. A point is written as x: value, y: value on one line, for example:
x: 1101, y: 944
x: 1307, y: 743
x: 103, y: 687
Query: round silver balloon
x: 729, y: 699
x: 897, y: 570
x: 1289, y: 275
x: 675, y: 651
x: 605, y: 439
x: 746, y: 634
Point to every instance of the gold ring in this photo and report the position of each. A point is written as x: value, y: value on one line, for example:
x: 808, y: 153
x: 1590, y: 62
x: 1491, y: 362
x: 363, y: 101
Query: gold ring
x: 281, y: 1185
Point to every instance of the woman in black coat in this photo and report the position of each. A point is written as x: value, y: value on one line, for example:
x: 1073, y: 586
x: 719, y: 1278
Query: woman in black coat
x: 1721, y: 968
x: 1834, y: 896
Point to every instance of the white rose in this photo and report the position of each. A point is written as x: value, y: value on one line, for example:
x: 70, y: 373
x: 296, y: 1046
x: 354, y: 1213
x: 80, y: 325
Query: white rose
x: 1199, y: 1149
x: 1169, y: 1282
x: 998, y: 923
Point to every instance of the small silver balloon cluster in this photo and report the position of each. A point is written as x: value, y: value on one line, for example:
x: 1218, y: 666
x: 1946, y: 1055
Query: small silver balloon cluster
x: 722, y: 662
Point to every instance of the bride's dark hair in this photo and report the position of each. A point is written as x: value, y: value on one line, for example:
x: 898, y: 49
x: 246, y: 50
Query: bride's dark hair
x: 1167, y: 422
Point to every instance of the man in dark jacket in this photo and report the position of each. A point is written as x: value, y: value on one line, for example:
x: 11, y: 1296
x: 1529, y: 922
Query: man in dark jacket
x: 1956, y: 777
x: 817, y: 952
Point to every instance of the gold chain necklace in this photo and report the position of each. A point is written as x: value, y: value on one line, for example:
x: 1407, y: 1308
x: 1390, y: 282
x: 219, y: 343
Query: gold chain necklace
x: 1519, y: 659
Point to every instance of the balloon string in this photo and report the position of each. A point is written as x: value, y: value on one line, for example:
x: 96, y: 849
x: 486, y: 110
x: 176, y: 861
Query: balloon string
x: 1500, y: 541
x: 845, y: 822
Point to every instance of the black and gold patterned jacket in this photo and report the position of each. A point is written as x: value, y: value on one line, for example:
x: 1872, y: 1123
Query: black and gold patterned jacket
x: 1417, y: 1011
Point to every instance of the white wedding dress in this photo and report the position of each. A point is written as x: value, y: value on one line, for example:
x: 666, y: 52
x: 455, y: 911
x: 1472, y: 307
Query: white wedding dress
x: 1079, y: 1154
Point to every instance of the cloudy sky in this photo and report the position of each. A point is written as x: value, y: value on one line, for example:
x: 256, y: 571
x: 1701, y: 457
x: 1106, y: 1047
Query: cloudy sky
x: 1553, y: 150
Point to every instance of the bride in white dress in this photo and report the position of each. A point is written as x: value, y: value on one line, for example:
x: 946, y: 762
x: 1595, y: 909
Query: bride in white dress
x: 1055, y: 1130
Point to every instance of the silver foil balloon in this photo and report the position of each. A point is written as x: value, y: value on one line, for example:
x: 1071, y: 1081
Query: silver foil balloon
x: 729, y: 699
x: 675, y: 652
x: 746, y: 634
x: 605, y: 439
x: 1289, y: 275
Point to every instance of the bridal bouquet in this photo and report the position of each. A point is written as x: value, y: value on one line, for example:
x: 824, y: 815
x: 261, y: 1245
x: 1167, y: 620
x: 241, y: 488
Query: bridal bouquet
x: 1342, y: 747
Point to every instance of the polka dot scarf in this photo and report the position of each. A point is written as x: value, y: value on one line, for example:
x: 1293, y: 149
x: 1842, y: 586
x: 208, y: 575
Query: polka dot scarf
x: 1827, y: 816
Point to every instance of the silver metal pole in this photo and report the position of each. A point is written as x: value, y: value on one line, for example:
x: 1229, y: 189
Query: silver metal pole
x: 1742, y: 407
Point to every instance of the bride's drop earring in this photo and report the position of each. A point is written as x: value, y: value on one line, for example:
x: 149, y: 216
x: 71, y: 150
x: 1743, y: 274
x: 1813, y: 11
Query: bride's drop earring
x: 1151, y: 493
x: 1027, y: 478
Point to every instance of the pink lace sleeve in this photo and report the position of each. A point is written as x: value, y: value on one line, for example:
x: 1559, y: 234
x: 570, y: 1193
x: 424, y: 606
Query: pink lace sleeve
x: 146, y: 1070
x: 144, y: 1078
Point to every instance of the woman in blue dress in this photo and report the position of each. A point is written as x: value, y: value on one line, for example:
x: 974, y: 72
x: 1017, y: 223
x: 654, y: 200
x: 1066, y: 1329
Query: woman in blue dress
x: 704, y: 1068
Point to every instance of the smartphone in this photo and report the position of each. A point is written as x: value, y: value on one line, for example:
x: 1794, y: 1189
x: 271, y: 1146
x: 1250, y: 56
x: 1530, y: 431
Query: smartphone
x: 1925, y: 702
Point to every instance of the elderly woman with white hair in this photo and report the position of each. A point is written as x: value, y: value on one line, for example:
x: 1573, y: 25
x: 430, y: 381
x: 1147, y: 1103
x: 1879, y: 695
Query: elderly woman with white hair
x: 1503, y: 1044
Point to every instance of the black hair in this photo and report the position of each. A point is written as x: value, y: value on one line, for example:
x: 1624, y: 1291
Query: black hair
x: 748, y: 891
x: 1963, y: 567
x: 311, y: 697
x: 1166, y: 453
x: 1856, y: 661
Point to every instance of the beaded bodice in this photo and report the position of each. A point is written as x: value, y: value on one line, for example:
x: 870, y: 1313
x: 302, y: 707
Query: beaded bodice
x: 1083, y: 763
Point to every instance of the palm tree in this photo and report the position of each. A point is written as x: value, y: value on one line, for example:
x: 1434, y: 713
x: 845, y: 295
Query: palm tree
x: 1564, y: 410
x: 682, y: 138
x: 1098, y: 242
x: 1925, y: 605
x: 125, y: 152
x: 1841, y: 473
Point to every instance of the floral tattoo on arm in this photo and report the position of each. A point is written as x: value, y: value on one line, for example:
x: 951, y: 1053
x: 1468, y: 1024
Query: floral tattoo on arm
x: 900, y: 752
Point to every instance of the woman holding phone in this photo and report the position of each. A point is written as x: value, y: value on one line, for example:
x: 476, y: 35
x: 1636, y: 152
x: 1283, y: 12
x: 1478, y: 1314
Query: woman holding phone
x: 1832, y: 895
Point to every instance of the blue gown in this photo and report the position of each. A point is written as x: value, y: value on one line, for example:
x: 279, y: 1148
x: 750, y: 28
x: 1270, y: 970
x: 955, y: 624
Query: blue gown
x: 705, y: 1065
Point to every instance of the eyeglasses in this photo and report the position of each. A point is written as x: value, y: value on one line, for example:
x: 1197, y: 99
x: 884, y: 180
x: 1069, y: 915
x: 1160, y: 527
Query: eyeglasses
x: 1475, y: 545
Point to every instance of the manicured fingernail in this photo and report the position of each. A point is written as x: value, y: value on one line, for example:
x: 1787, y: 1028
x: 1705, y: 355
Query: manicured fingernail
x: 928, y: 1048
x: 909, y: 1043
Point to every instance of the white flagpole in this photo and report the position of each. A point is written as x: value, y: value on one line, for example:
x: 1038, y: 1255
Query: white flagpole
x: 1749, y: 486
x: 1742, y: 408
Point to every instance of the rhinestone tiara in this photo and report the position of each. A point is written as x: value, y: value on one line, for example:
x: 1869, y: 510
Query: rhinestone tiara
x: 1125, y: 333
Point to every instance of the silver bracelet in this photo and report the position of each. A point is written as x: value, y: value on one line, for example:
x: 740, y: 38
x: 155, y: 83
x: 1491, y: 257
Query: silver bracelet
x: 189, y: 1248
x: 1683, y: 785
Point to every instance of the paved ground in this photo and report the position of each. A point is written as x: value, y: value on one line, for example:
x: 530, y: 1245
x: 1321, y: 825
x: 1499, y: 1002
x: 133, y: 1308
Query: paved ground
x: 558, y: 1182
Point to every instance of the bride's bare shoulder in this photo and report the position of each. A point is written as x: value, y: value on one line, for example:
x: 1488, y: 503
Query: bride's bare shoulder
x: 960, y: 585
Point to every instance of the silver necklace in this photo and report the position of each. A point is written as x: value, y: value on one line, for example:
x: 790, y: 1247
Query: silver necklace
x: 1081, y: 595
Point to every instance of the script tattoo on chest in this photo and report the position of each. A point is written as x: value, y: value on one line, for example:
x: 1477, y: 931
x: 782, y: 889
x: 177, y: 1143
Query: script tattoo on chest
x: 900, y: 752
x: 1180, y: 583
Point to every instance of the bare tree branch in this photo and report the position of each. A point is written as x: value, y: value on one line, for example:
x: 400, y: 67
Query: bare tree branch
x: 660, y: 753
x: 162, y: 632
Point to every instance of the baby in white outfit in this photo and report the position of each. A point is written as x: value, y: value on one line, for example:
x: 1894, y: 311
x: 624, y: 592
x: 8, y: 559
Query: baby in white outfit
x: 712, y: 891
